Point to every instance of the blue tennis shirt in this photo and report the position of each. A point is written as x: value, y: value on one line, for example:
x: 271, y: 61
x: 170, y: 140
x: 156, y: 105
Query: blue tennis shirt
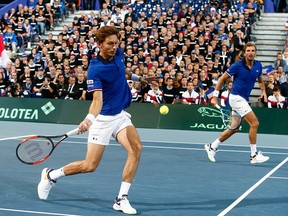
x: 243, y: 78
x: 110, y: 78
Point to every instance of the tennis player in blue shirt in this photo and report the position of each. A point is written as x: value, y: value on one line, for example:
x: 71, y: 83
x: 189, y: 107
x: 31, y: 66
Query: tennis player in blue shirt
x: 244, y: 73
x: 106, y: 118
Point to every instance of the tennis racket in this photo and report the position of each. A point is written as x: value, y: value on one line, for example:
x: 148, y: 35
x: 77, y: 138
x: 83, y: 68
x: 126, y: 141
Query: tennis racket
x: 36, y: 148
x: 231, y: 118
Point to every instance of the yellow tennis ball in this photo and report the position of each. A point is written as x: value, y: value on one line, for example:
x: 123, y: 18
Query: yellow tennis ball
x: 164, y: 110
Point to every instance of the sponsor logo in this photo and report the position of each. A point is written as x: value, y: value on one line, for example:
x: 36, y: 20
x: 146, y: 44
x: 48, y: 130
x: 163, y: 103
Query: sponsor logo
x: 14, y: 113
x: 48, y: 108
x: 27, y: 114
x: 207, y: 112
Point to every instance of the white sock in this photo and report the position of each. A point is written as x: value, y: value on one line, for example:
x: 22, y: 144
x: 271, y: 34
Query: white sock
x: 215, y: 144
x: 253, y: 148
x: 56, y: 174
x: 124, y: 189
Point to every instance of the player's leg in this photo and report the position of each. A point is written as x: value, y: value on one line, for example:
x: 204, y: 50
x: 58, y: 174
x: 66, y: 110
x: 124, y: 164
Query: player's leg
x: 130, y: 140
x: 238, y: 104
x: 212, y: 148
x: 49, y: 176
x: 97, y: 139
x: 252, y: 120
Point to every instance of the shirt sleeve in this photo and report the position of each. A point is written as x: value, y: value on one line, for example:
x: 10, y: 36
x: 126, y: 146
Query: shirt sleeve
x: 93, y: 80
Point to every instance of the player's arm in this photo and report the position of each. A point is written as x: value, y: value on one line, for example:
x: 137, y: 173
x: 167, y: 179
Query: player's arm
x: 94, y: 110
x: 219, y: 84
x: 263, y: 89
x: 134, y: 77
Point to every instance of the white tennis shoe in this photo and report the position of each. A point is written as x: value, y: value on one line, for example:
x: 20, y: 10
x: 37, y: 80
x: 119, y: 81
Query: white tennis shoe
x: 123, y: 204
x: 45, y: 184
x: 210, y: 152
x: 258, y: 158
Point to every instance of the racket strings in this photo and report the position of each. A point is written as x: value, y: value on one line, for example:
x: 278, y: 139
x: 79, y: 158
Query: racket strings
x: 232, y: 120
x: 34, y: 149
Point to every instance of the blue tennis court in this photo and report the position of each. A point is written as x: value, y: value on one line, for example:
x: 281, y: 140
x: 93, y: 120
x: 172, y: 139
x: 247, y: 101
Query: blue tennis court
x: 174, y: 178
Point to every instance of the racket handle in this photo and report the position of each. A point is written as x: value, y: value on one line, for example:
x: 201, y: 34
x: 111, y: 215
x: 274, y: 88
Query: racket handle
x: 72, y: 132
x: 217, y: 106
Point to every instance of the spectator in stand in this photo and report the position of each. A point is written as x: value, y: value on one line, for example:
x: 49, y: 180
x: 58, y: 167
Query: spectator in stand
x: 284, y: 88
x: 3, y: 85
x: 190, y: 96
x: 224, y: 98
x: 134, y: 91
x: 81, y: 86
x: 27, y: 87
x: 48, y: 88
x: 15, y: 90
x: 155, y: 95
x: 280, y: 62
x: 71, y: 92
x: 170, y: 94
x: 38, y: 82
x: 10, y: 40
x: 21, y: 35
x: 281, y: 74
x: 276, y: 100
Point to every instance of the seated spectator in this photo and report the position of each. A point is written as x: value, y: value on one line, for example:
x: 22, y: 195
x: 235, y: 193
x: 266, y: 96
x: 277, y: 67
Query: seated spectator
x: 281, y: 74
x: 10, y: 40
x: 134, y: 91
x: 224, y: 98
x: 15, y: 90
x: 3, y: 85
x: 170, y: 94
x: 190, y: 96
x: 27, y: 87
x: 48, y: 88
x: 284, y: 88
x: 21, y: 35
x: 276, y: 100
x: 280, y: 62
x: 81, y: 85
x: 38, y: 82
x: 71, y: 92
x: 154, y: 95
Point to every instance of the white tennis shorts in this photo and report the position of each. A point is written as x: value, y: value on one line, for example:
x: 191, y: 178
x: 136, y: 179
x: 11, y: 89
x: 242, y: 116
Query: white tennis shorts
x: 104, y: 127
x: 239, y: 104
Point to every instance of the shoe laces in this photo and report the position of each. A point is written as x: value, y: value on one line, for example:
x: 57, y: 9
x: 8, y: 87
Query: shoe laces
x: 124, y: 199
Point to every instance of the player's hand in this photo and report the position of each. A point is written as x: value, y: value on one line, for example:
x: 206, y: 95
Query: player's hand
x: 84, y: 125
x: 214, y: 101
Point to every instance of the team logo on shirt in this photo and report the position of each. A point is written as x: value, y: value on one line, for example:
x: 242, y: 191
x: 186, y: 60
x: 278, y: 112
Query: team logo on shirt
x: 89, y: 82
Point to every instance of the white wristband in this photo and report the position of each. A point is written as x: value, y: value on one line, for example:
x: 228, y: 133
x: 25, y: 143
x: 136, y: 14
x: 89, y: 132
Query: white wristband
x: 135, y: 77
x: 215, y: 93
x: 91, y: 117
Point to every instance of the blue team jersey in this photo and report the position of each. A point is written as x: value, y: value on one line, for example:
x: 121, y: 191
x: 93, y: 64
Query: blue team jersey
x: 243, y: 78
x: 110, y: 77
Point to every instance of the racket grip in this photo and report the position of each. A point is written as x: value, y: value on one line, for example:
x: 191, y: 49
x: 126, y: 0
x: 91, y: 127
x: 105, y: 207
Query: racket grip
x: 72, y: 132
x: 217, y: 106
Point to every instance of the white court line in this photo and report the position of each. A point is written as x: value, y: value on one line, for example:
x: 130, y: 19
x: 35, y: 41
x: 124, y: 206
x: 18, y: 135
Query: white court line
x: 236, y: 202
x: 36, y: 212
x: 11, y: 138
x: 166, y: 147
x: 285, y: 178
x: 159, y: 141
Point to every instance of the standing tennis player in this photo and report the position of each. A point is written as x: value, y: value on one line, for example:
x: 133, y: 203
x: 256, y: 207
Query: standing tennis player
x: 245, y: 73
x: 106, y: 118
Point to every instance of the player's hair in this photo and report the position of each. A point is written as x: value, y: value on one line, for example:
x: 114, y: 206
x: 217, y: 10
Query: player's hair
x: 249, y: 44
x: 104, y: 32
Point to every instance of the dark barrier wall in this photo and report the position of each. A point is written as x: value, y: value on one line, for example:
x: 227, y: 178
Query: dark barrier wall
x: 182, y: 117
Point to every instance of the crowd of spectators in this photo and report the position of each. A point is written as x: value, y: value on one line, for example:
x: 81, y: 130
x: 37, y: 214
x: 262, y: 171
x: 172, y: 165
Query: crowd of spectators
x: 187, y: 46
